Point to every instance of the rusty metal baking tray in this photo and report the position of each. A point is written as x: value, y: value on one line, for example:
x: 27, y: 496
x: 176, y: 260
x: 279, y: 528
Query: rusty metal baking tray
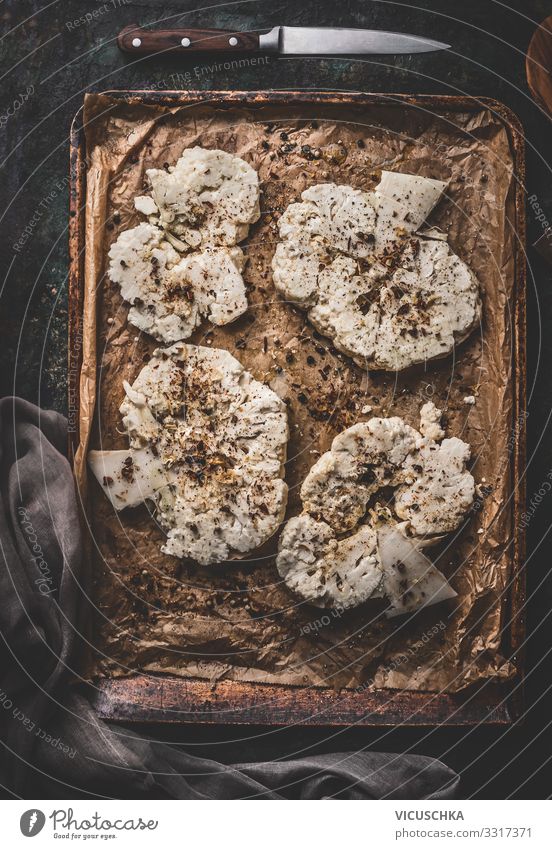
x: 170, y: 699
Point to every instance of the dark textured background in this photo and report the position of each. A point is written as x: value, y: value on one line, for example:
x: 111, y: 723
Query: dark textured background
x: 55, y: 63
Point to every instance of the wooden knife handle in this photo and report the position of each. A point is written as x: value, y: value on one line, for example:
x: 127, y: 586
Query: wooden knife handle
x: 133, y: 39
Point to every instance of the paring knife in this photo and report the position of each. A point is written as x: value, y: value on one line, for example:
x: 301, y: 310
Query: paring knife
x: 295, y: 41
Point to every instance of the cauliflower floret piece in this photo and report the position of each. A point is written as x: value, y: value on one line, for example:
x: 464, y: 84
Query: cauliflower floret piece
x: 169, y: 294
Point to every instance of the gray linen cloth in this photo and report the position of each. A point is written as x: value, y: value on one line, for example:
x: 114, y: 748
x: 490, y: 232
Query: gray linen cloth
x: 54, y: 744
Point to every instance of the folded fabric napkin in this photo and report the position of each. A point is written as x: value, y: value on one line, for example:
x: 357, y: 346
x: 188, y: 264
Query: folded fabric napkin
x: 55, y: 745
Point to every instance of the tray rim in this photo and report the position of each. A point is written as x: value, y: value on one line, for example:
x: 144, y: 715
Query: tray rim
x: 169, y: 698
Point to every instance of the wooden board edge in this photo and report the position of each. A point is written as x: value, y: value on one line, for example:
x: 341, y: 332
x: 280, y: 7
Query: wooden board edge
x: 172, y: 700
x: 77, y: 193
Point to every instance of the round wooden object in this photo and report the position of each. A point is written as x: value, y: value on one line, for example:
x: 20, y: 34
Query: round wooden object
x: 538, y: 65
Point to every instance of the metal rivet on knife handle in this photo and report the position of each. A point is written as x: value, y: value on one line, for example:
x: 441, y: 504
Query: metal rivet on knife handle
x: 133, y: 39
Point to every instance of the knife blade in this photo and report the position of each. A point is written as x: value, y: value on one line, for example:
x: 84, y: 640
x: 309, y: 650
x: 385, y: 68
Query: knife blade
x: 338, y: 41
x: 286, y: 41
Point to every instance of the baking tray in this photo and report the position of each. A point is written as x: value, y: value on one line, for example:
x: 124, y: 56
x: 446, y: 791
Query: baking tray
x: 167, y: 698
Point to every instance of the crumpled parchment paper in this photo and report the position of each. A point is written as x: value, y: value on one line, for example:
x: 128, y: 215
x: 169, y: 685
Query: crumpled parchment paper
x: 238, y: 621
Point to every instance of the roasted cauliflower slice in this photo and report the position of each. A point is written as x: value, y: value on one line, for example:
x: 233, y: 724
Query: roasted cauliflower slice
x: 346, y: 548
x: 387, y: 297
x: 214, y: 439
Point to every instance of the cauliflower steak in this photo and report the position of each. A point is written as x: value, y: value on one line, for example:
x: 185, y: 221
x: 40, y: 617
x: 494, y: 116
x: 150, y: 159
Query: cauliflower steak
x: 387, y: 297
x: 207, y: 445
x: 345, y: 547
x: 184, y: 264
